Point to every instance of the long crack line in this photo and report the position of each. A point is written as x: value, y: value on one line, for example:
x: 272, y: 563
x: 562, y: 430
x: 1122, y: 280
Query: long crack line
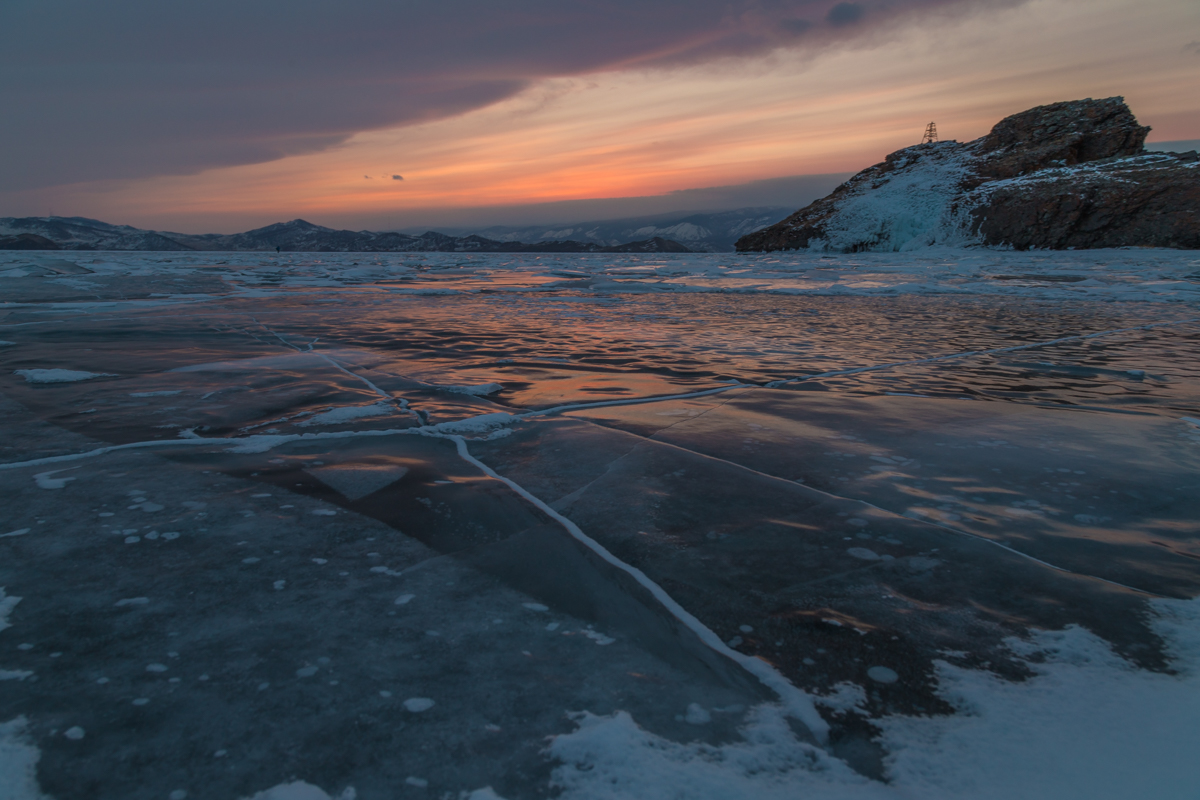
x: 797, y: 702
x: 889, y: 512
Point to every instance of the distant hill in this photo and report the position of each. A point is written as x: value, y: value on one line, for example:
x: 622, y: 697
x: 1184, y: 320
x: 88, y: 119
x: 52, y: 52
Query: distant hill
x: 711, y: 232
x: 80, y: 233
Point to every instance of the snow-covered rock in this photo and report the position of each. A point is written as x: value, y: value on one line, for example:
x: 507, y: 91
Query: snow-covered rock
x: 1067, y: 175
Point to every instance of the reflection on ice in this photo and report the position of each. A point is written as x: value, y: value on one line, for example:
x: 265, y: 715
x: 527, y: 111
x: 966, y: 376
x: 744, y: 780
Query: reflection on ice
x: 383, y: 521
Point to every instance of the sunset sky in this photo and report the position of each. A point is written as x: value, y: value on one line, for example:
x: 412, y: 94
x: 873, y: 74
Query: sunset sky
x: 222, y: 116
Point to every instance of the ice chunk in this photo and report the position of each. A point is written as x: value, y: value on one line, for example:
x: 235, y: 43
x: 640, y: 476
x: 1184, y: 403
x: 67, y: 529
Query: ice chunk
x: 60, y: 375
x: 418, y: 704
x: 882, y: 675
x: 356, y: 481
x: 483, y: 423
x: 863, y: 553
x: 482, y: 390
x: 337, y: 416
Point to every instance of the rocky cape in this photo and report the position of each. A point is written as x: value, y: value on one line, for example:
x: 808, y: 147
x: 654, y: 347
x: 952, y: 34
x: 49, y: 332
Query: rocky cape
x: 80, y: 233
x: 1061, y: 176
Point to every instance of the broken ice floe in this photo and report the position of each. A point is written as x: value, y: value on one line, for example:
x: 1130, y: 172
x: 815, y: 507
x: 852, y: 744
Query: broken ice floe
x: 59, y: 375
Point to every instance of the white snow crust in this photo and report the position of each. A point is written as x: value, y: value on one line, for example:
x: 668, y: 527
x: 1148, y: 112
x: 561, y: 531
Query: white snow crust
x: 300, y: 790
x: 7, y: 604
x: 1088, y: 726
x: 18, y: 763
x: 908, y: 209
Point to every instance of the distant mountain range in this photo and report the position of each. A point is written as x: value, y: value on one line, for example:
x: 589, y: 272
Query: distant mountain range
x: 709, y: 232
x: 80, y: 233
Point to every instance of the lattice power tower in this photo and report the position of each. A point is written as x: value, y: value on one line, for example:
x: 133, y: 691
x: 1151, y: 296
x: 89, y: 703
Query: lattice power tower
x: 930, y: 134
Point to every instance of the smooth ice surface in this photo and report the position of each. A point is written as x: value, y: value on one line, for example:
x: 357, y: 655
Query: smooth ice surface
x: 340, y: 525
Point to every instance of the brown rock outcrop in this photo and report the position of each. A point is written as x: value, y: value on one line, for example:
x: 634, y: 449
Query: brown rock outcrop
x: 1067, y: 175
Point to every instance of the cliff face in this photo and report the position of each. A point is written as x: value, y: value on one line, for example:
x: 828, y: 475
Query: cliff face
x: 1065, y: 175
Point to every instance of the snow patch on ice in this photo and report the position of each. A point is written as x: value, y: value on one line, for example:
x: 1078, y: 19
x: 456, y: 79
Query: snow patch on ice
x: 608, y: 758
x: 1088, y: 724
x: 44, y: 480
x: 845, y: 697
x: 300, y: 790
x: 18, y: 763
x: 59, y: 375
x: 7, y: 604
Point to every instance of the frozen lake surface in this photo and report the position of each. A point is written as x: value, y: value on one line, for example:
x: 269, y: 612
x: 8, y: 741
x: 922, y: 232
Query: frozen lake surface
x: 345, y: 525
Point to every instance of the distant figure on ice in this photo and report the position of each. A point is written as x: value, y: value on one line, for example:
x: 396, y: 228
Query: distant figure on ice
x: 276, y: 248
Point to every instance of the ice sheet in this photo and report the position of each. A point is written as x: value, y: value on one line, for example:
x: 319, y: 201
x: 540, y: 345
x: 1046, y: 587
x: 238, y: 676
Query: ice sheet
x: 779, y: 525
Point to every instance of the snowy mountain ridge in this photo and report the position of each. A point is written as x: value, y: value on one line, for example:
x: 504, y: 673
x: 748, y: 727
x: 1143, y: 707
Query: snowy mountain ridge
x: 701, y: 232
x: 81, y: 233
